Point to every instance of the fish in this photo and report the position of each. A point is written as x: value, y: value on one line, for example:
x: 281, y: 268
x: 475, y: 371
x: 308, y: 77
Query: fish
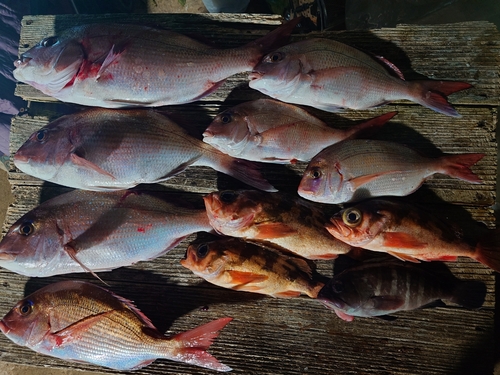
x: 104, y: 149
x: 125, y: 65
x: 410, y: 233
x: 270, y: 131
x: 285, y: 222
x: 383, y: 288
x: 235, y: 264
x: 79, y: 321
x: 356, y: 169
x: 87, y: 231
x: 332, y: 76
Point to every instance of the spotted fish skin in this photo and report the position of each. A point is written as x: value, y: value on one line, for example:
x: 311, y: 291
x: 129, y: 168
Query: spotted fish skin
x: 287, y: 222
x: 382, y: 288
x: 235, y: 264
x: 79, y: 321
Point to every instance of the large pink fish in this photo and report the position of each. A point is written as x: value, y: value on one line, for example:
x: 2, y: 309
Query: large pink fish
x: 78, y: 321
x: 114, y: 65
x: 97, y: 231
x: 330, y: 75
x: 106, y: 149
x: 357, y: 169
x: 275, y: 132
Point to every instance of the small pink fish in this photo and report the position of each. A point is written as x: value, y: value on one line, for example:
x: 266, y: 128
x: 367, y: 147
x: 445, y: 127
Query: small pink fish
x: 79, y: 321
x: 330, y: 75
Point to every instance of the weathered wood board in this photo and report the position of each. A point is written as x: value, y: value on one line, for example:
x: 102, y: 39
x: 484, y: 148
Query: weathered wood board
x: 299, y: 336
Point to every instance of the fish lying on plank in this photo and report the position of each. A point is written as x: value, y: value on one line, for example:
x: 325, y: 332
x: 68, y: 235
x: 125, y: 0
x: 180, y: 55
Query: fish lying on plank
x: 357, y: 169
x: 331, y: 76
x: 235, y: 264
x: 287, y: 222
x: 410, y: 233
x: 274, y: 132
x: 123, y: 65
x: 105, y: 149
x: 383, y: 288
x: 78, y: 321
x: 97, y: 231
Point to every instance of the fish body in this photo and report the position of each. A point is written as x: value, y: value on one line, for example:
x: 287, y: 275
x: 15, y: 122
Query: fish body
x: 331, y: 76
x: 79, y: 321
x: 275, y: 219
x: 123, y: 65
x: 274, y: 132
x: 97, y: 231
x: 409, y: 233
x: 104, y: 149
x: 357, y: 169
x: 376, y: 289
x: 234, y: 264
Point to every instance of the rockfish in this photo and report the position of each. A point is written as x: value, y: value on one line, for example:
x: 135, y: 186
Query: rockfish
x: 105, y: 149
x: 283, y: 221
x: 97, y: 231
x: 356, y: 169
x: 375, y: 289
x: 331, y: 76
x: 274, y: 132
x: 123, y: 65
x: 234, y: 264
x: 409, y: 233
x: 79, y: 321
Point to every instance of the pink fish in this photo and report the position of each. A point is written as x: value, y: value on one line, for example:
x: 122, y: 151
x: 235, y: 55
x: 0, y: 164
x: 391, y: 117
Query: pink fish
x: 79, y: 321
x: 274, y: 132
x: 114, y: 65
x: 330, y: 75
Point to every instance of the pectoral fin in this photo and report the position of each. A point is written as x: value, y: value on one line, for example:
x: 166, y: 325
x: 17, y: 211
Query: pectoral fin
x: 403, y: 257
x: 240, y: 278
x: 403, y: 241
x: 112, y: 57
x: 267, y: 231
x: 357, y: 182
x: 287, y: 294
x: 84, y: 163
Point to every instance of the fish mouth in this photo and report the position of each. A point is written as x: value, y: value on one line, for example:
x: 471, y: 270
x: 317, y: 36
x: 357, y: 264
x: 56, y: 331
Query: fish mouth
x: 254, y: 75
x: 207, y: 134
x: 22, y: 61
x: 337, y: 229
x: 4, y: 328
x: 6, y: 257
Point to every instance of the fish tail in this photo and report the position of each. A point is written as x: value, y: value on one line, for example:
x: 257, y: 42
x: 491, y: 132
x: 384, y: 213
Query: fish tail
x: 488, y: 250
x: 470, y: 294
x: 195, y: 342
x: 276, y: 38
x: 458, y: 166
x: 368, y: 127
x: 432, y: 94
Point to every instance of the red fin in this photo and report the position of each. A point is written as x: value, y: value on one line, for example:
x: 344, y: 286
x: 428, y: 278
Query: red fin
x: 357, y: 182
x: 323, y: 256
x: 70, y: 250
x: 241, y: 278
x: 81, y: 162
x: 458, y: 166
x: 113, y: 55
x: 196, y: 341
x: 488, y: 250
x: 342, y: 315
x: 403, y: 257
x: 287, y: 294
x: 273, y: 230
x: 369, y: 126
x: 442, y: 258
x: 276, y: 38
x: 402, y: 240
x: 393, y: 67
x: 433, y: 95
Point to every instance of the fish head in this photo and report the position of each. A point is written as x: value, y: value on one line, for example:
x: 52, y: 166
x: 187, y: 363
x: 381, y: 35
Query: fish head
x: 46, y: 150
x: 28, y: 322
x: 278, y: 72
x: 229, y: 132
x: 205, y: 259
x: 358, y: 226
x: 341, y: 293
x: 231, y: 211
x: 320, y: 182
x: 51, y: 64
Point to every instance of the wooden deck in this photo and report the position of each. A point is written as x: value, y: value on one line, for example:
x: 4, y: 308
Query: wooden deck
x: 299, y: 336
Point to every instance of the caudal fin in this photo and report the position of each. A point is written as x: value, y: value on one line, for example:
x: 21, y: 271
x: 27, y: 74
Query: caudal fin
x: 488, y: 250
x: 432, y: 94
x: 276, y: 38
x: 458, y: 166
x: 196, y: 341
x: 469, y: 294
x: 367, y: 128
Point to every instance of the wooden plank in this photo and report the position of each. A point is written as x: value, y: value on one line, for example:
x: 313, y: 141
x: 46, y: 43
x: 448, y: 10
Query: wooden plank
x: 299, y: 336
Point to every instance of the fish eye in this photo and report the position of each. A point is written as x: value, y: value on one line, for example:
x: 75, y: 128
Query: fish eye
x: 228, y: 196
x: 49, y: 42
x: 202, y: 250
x: 276, y: 57
x: 352, y: 217
x: 26, y: 228
x: 41, y: 135
x: 315, y: 173
x: 338, y: 286
x: 226, y: 118
x: 26, y: 308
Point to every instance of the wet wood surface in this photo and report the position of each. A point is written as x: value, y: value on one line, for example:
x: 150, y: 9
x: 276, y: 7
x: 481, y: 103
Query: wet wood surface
x: 300, y: 336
